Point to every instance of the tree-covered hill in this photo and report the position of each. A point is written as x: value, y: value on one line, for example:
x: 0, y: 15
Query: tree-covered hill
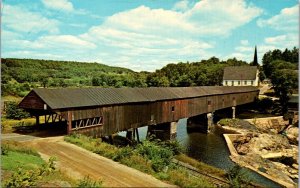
x: 19, y: 75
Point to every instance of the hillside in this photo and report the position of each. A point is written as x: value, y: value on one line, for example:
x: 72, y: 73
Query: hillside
x: 20, y: 75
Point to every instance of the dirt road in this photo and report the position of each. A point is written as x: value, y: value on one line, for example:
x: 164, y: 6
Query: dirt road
x: 78, y: 162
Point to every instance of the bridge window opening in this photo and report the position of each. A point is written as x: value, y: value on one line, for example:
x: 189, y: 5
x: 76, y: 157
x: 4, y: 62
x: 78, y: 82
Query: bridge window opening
x: 232, y: 83
x: 173, y: 108
x: 152, y: 117
x: 208, y: 102
x: 252, y: 83
x: 226, y: 83
x: 245, y: 82
x: 85, y: 123
x: 239, y: 82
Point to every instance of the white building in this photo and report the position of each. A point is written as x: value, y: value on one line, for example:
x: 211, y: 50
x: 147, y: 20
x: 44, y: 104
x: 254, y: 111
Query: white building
x: 241, y: 76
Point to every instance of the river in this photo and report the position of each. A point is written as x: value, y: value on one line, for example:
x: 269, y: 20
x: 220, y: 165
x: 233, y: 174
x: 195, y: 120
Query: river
x: 209, y: 148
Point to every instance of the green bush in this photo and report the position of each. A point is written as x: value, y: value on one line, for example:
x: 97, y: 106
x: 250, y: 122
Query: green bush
x: 14, y: 112
x: 159, y: 155
x: 123, y: 153
x: 4, y: 149
x: 88, y: 182
x: 29, y: 178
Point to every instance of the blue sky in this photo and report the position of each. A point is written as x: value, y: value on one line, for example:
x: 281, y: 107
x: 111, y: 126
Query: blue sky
x: 145, y: 35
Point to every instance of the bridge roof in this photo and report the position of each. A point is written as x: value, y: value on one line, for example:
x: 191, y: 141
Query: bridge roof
x: 87, y: 97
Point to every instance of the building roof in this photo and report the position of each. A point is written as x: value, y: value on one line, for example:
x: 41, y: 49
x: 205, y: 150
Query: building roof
x: 240, y: 73
x: 84, y: 97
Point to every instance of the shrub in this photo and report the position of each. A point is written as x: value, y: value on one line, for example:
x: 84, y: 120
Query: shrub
x: 28, y: 178
x: 265, y: 104
x: 174, y: 146
x: 13, y: 112
x: 88, y: 182
x: 237, y: 177
x: 159, y: 156
x: 123, y: 153
x: 4, y: 149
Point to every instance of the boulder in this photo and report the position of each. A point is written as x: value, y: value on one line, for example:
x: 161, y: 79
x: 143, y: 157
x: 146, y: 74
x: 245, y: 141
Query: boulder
x: 268, y: 143
x: 292, y: 134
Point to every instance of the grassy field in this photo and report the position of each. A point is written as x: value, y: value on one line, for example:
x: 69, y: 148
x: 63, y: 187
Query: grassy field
x: 153, y: 158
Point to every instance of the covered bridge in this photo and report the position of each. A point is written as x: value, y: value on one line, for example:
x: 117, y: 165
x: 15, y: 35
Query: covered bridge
x: 105, y: 111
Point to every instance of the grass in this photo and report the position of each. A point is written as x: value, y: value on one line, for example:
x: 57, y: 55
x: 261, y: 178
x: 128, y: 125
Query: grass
x: 200, y: 165
x: 14, y: 159
x: 149, y: 157
x: 7, y: 125
x: 19, y: 162
x: 250, y: 115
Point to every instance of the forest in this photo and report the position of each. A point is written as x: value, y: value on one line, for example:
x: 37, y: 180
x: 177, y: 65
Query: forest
x: 19, y: 76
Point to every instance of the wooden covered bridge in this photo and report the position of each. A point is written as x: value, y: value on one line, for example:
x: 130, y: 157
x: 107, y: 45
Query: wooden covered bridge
x: 104, y: 111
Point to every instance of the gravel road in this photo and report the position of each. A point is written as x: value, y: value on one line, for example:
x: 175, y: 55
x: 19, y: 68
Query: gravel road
x: 78, y: 162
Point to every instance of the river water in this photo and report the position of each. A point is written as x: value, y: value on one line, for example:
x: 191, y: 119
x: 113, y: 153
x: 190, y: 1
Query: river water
x: 209, y: 148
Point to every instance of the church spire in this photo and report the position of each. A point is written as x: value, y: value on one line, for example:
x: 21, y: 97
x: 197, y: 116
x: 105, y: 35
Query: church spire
x: 255, y: 62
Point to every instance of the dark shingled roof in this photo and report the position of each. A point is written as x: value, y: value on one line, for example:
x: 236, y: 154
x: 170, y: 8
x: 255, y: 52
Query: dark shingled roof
x: 240, y: 73
x: 84, y: 97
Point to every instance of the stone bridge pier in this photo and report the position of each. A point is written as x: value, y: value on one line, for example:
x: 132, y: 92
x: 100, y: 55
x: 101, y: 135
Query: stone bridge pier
x: 164, y: 131
x: 202, y: 123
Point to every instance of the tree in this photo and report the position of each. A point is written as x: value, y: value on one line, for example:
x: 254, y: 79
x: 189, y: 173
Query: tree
x: 14, y: 112
x: 284, y: 81
x: 290, y: 56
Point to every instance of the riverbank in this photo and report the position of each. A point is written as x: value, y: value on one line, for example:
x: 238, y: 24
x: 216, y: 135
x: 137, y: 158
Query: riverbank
x: 153, y: 158
x: 257, y: 145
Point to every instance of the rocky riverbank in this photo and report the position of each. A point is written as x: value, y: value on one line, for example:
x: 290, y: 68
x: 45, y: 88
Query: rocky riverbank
x: 267, y: 145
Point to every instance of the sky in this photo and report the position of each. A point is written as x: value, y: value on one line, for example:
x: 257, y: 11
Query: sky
x: 145, y: 35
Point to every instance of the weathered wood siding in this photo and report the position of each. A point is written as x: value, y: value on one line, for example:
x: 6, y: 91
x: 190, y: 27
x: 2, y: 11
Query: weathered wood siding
x: 32, y: 100
x: 122, y: 117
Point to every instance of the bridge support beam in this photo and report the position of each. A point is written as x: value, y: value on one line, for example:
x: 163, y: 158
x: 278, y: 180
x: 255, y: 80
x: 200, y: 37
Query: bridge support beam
x: 37, y: 120
x: 164, y: 131
x: 233, y: 112
x: 201, y: 123
x: 209, y: 122
x: 69, y: 122
x: 133, y: 134
x: 129, y: 134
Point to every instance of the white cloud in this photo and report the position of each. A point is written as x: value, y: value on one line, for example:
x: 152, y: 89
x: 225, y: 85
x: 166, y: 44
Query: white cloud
x: 244, y: 42
x: 221, y: 17
x: 22, y: 20
x: 286, y: 20
x: 244, y: 49
x: 181, y: 5
x: 275, y: 40
x: 158, y: 36
x: 61, y: 5
x: 147, y: 39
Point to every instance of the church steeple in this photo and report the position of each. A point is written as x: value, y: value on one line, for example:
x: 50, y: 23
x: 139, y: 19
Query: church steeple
x: 255, y: 62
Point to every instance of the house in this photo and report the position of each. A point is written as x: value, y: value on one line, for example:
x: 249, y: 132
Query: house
x: 241, y: 76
